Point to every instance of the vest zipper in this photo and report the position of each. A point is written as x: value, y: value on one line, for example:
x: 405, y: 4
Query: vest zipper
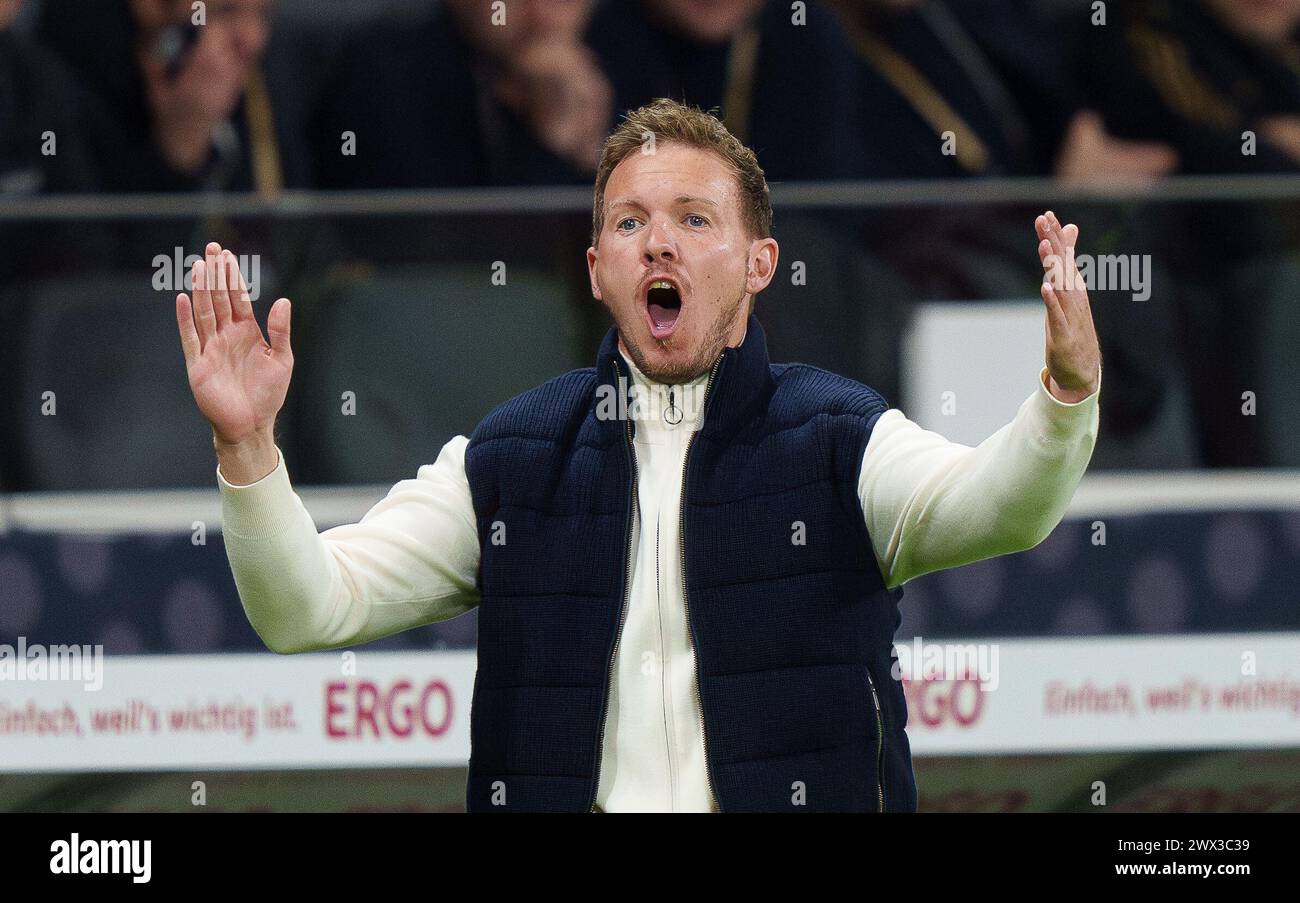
x: 622, y: 616
x: 880, y: 742
x: 663, y: 680
x: 681, y: 521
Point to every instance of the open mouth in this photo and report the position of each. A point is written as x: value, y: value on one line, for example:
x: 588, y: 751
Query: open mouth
x: 664, y: 307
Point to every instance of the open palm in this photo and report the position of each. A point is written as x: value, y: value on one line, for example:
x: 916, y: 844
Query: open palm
x: 239, y: 381
x: 1073, y: 354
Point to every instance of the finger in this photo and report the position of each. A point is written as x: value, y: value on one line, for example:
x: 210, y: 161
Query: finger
x: 1055, y: 313
x: 221, y: 295
x: 204, y: 319
x: 211, y: 267
x: 1053, y: 274
x: 1045, y: 254
x: 1064, y: 237
x: 241, y: 306
x: 190, y: 343
x: 277, y: 325
x: 1043, y: 225
x: 210, y: 254
x: 1054, y: 233
x: 1073, y: 292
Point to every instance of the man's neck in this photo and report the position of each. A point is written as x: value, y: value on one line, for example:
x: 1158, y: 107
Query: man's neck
x: 663, y: 406
x: 649, y: 380
x: 643, y: 378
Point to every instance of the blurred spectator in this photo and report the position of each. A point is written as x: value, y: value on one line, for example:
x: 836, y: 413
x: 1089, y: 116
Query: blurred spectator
x: 45, y: 123
x: 980, y: 88
x: 992, y: 74
x: 782, y: 84
x: 1219, y: 81
x: 39, y: 96
x: 41, y: 112
x: 466, y: 94
x: 188, y: 98
x: 1197, y: 74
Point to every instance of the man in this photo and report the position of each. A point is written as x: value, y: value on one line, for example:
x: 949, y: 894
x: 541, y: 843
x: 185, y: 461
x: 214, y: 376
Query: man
x: 994, y: 75
x: 43, y: 120
x: 685, y: 558
x: 1219, y: 82
x: 781, y: 76
x: 466, y: 93
x: 189, y: 97
x: 1197, y: 76
x: 46, y: 122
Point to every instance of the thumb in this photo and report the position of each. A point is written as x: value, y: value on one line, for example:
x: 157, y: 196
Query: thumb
x: 277, y: 326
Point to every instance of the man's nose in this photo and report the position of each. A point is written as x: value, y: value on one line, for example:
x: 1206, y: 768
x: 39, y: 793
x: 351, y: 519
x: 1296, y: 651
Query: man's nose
x: 659, y: 244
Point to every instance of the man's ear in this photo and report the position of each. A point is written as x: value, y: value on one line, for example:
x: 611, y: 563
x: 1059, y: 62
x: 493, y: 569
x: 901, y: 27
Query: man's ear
x: 763, y: 253
x: 592, y: 255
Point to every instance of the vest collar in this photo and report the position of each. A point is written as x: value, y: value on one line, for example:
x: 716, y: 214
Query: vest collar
x: 743, y: 380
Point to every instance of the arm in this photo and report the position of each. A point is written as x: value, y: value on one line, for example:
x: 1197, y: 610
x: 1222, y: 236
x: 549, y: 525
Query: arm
x: 931, y: 504
x: 411, y: 560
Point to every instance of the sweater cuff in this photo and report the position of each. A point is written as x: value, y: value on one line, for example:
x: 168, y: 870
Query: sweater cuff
x: 1062, y: 420
x: 258, y: 509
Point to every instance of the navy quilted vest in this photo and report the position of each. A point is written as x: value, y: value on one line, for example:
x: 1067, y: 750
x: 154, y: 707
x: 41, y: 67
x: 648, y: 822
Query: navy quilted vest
x: 793, y: 639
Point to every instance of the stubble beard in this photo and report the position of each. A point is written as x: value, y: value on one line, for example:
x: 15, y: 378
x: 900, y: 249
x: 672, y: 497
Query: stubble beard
x: 715, y: 340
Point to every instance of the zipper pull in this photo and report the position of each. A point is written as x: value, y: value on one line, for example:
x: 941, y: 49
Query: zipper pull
x: 672, y: 408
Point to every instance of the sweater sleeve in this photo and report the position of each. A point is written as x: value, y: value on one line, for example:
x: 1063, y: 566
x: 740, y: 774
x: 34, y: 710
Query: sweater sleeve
x: 932, y: 504
x: 411, y: 560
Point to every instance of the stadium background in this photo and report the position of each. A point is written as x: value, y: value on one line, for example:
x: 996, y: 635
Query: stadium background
x: 916, y: 276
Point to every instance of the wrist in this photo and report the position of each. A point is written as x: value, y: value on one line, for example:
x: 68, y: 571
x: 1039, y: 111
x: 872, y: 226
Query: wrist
x: 1069, y: 396
x: 246, y: 460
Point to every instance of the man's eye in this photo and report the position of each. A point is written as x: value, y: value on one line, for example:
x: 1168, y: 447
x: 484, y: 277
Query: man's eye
x: 697, y: 221
x: 622, y: 224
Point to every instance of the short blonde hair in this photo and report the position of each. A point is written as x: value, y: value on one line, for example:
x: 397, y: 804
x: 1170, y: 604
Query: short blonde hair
x: 668, y: 120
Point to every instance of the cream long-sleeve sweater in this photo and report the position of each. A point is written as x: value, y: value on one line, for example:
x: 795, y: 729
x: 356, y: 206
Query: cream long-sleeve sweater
x: 413, y: 558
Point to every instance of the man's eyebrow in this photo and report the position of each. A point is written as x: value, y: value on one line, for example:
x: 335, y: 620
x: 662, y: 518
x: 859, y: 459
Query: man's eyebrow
x: 626, y: 202
x: 683, y: 200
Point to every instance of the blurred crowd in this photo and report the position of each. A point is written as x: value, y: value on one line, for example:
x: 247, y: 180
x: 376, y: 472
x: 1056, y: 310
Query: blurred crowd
x: 266, y: 95
x: 168, y: 95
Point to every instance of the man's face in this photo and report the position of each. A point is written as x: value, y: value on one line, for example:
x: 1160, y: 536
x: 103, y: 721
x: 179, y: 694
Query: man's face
x: 675, y: 264
x: 235, y: 29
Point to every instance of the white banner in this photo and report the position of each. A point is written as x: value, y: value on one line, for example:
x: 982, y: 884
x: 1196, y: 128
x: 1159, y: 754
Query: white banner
x: 244, y: 711
x: 367, y: 709
x: 1115, y: 693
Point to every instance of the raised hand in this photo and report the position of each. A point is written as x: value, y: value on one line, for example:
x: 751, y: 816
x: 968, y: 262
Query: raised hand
x: 558, y: 87
x: 1090, y: 152
x: 1073, y: 354
x: 239, y: 381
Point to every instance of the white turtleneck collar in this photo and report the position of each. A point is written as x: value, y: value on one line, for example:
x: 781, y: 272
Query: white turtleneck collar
x: 663, y: 405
